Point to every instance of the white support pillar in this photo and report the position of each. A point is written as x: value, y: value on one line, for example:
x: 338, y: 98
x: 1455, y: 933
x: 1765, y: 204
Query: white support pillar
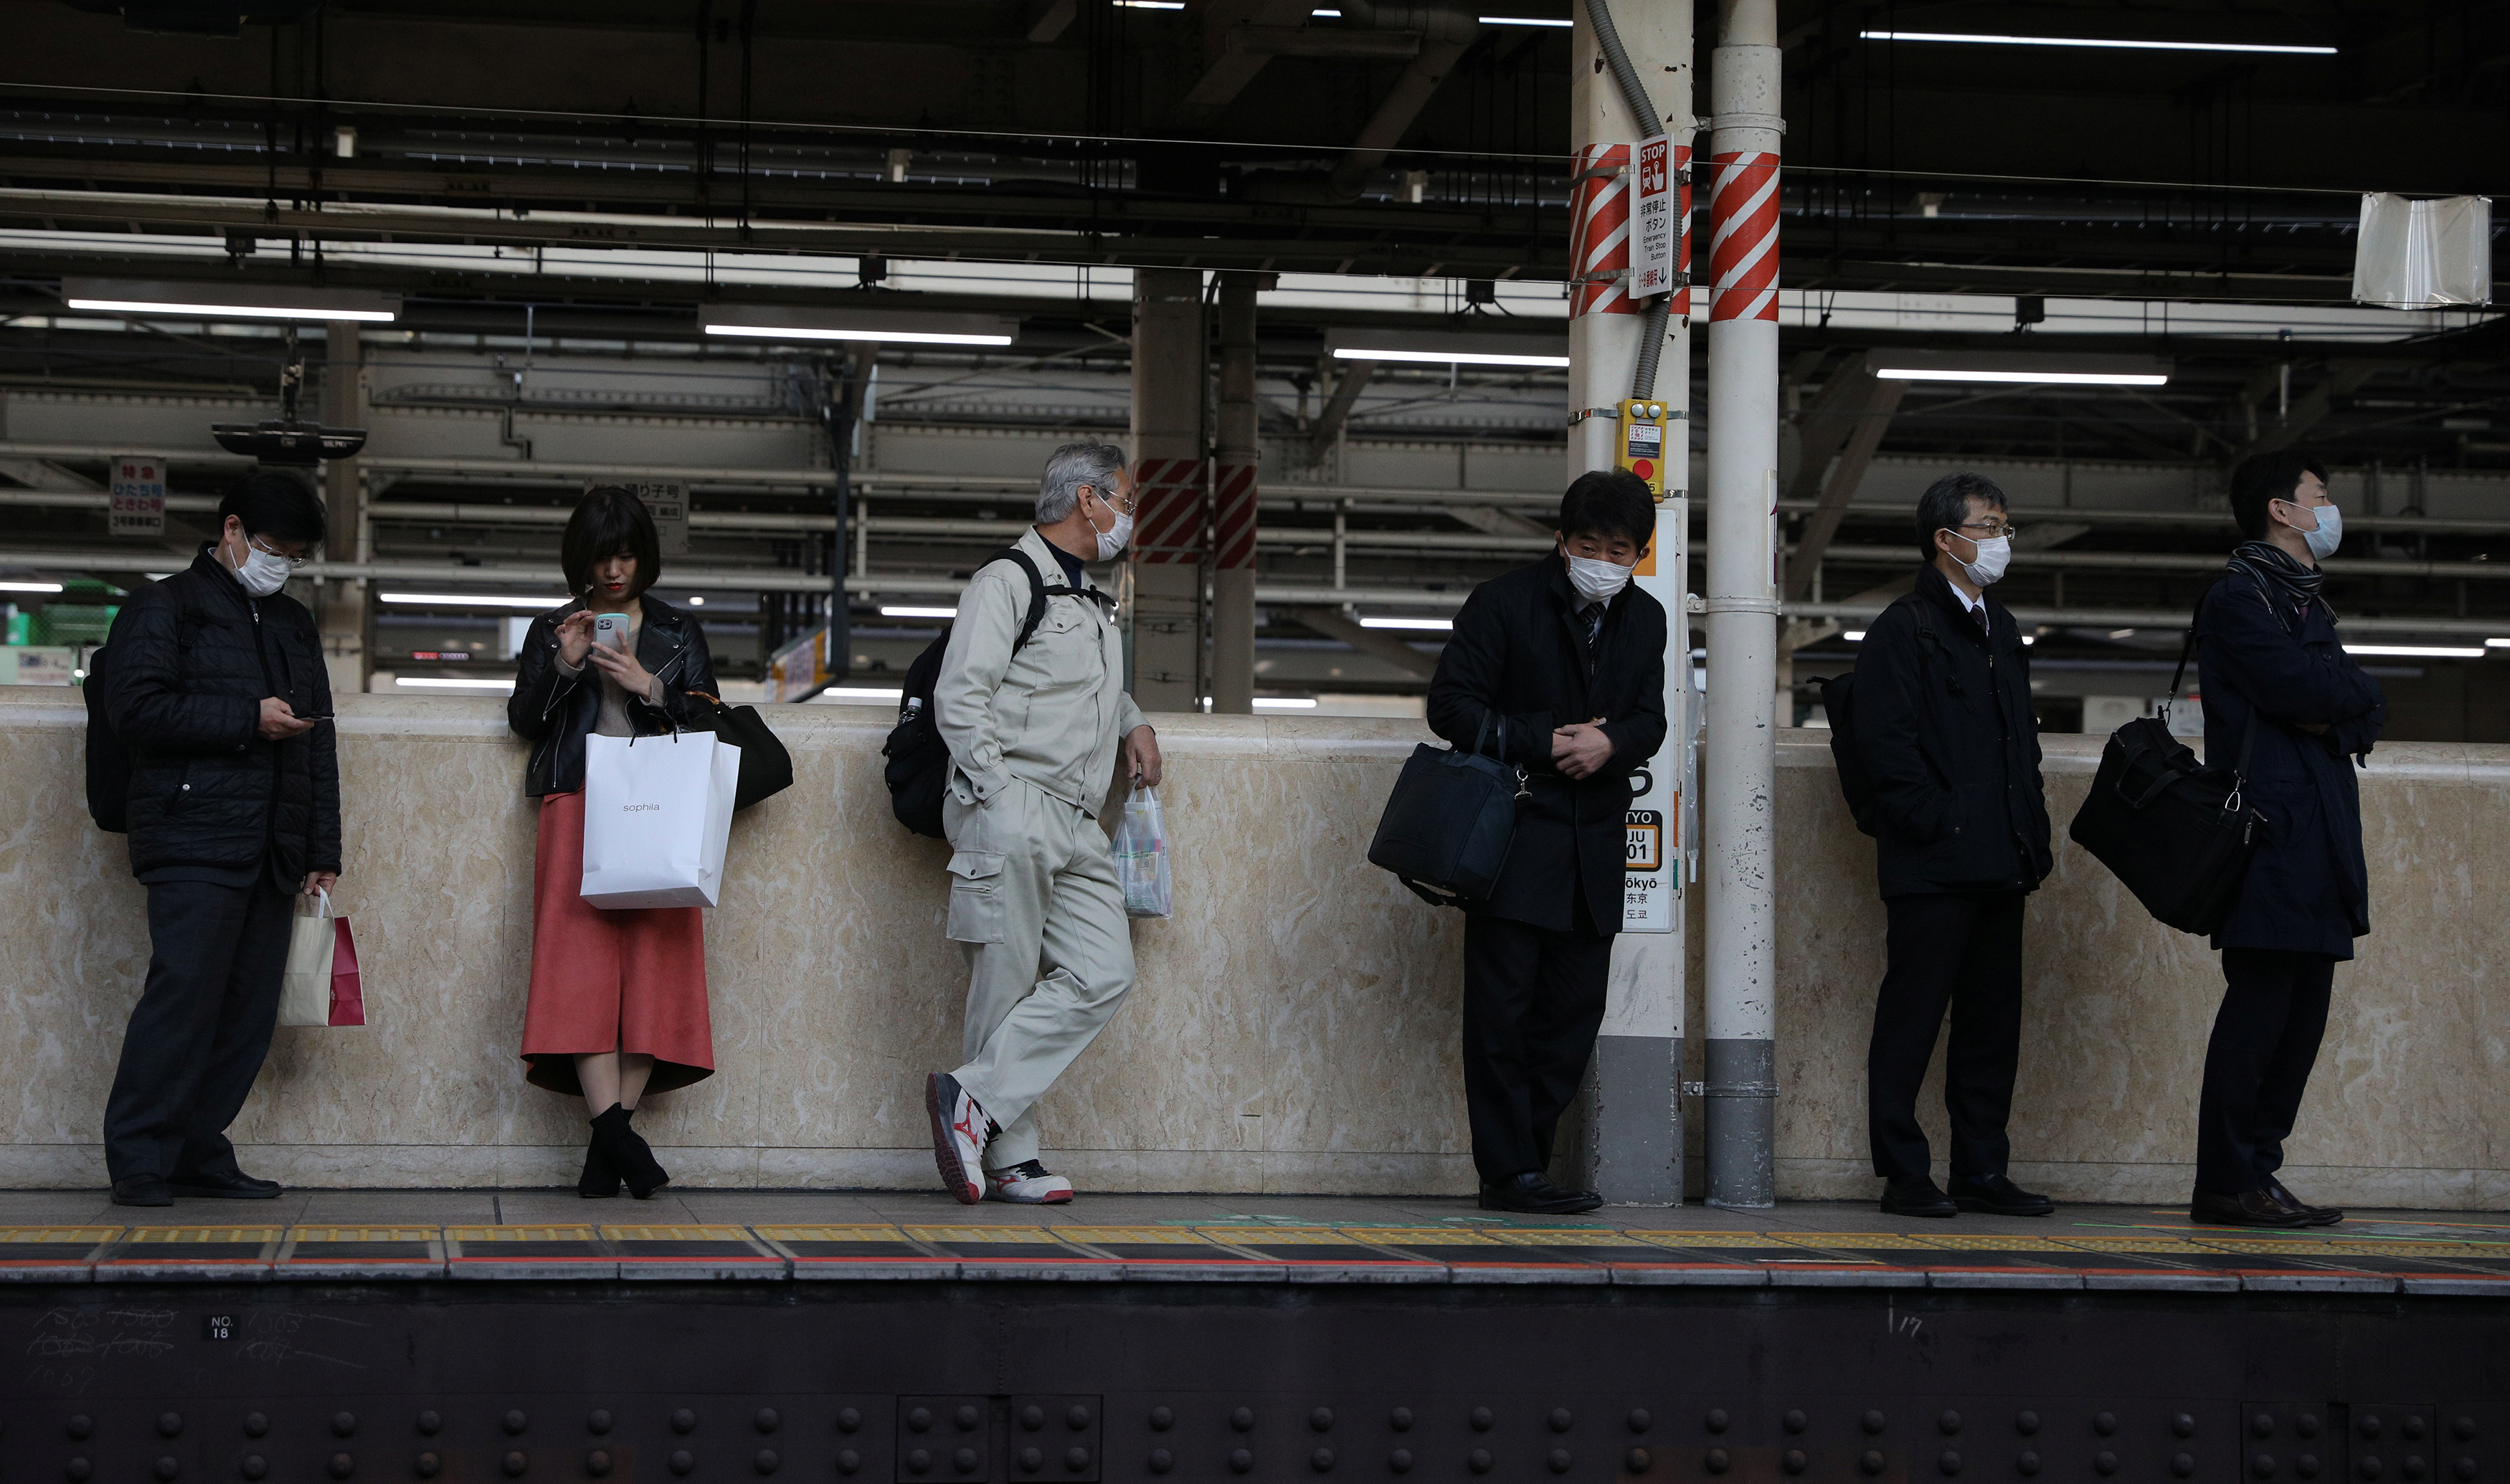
x: 1737, y: 814
x: 343, y: 607
x: 1633, y: 1143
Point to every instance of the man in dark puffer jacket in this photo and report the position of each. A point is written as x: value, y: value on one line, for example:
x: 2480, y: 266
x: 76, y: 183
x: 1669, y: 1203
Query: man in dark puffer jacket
x: 216, y: 681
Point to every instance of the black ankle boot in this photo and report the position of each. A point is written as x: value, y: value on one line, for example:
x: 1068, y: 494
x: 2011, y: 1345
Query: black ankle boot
x: 629, y: 1153
x: 599, y: 1181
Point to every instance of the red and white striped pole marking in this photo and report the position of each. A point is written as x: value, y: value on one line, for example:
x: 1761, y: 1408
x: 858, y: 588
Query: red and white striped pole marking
x: 1233, y: 517
x: 1168, y: 516
x: 1682, y: 240
x: 1599, y: 233
x: 1744, y: 235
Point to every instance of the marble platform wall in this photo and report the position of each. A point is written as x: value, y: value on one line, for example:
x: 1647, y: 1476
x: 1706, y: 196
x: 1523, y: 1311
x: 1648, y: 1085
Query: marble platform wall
x: 1294, y: 1025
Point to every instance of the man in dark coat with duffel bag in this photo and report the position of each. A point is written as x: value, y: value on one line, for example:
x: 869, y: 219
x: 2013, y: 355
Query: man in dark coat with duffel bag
x: 1558, y: 669
x: 215, y: 684
x: 2275, y: 679
x: 1944, y: 725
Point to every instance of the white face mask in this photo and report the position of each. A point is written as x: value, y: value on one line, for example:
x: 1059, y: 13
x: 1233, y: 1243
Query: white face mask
x: 1993, y: 556
x: 1112, y: 542
x: 2326, y: 535
x: 263, y: 572
x: 1596, y: 581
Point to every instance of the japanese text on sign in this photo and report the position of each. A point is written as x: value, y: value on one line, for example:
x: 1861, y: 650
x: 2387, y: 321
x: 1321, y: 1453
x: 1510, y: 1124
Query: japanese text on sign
x: 136, y: 497
x: 1653, y: 229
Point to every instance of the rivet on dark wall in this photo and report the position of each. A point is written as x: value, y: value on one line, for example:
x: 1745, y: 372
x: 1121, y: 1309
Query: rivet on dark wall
x: 1716, y: 1421
x: 684, y: 1421
x: 1874, y: 1422
x: 1794, y: 1422
x: 515, y: 1423
x: 1641, y: 1419
x: 255, y: 1424
x: 1635, y: 1460
x: 1032, y: 1417
x: 1482, y: 1419
x: 1162, y: 1461
x: 1322, y: 1460
x: 767, y: 1420
x: 1560, y: 1460
x: 170, y: 1425
x: 1321, y: 1418
x: 1400, y: 1461
x: 1239, y: 1459
x: 597, y: 1421
x: 849, y: 1463
x: 848, y: 1420
x: 430, y: 1424
x: 426, y: 1466
x: 1400, y: 1419
x: 342, y: 1466
x: 683, y: 1463
x: 766, y: 1462
x: 1161, y: 1418
x: 1242, y: 1419
x: 344, y: 1423
x: 1479, y: 1461
x: 2026, y: 1423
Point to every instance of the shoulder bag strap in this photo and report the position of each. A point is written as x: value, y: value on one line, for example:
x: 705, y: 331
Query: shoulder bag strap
x: 2186, y: 648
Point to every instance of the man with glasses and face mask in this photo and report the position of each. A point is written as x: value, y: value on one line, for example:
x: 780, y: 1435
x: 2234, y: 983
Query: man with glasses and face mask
x: 2276, y: 680
x: 215, y: 680
x: 1035, y: 729
x: 1946, y: 728
x: 1557, y: 668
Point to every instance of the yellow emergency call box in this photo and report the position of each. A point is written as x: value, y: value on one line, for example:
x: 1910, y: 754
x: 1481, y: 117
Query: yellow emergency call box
x: 1645, y: 442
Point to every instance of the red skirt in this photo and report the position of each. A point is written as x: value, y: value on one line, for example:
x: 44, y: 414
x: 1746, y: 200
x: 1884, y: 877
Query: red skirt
x: 605, y: 980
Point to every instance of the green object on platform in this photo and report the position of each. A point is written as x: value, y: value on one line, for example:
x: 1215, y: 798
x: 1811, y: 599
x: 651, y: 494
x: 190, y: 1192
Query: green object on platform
x: 72, y: 623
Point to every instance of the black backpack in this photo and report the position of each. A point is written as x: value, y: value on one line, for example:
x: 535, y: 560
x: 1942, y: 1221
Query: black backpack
x: 918, y: 771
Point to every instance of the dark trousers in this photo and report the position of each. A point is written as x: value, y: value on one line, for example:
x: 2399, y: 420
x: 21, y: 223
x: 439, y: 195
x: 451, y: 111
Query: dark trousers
x: 2256, y: 1066
x: 1533, y: 1000
x: 201, y: 1026
x: 1961, y: 951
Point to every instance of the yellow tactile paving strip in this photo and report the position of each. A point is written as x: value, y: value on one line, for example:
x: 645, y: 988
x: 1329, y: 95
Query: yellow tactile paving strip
x: 304, y: 1233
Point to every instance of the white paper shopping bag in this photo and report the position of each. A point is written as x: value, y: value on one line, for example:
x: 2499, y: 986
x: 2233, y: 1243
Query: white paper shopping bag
x: 305, y: 989
x: 656, y: 812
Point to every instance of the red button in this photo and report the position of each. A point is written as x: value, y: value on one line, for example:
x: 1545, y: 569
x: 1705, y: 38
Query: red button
x: 1645, y: 468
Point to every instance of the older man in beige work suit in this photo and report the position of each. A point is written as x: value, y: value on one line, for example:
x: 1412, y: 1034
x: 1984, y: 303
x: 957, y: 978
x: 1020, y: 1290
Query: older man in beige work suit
x: 1033, y: 731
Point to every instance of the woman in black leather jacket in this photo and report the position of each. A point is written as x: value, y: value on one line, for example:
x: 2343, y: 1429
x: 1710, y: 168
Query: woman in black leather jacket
x: 618, y: 996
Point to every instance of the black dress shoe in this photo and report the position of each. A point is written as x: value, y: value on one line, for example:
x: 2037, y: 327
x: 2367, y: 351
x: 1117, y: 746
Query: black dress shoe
x: 2249, y: 1207
x: 599, y: 1180
x: 143, y: 1190
x: 1917, y: 1197
x: 1530, y: 1194
x: 2319, y: 1215
x: 628, y: 1153
x: 238, y: 1186
x: 1998, y: 1195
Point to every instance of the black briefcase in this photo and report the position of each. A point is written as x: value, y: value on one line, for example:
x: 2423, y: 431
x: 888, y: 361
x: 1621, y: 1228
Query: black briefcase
x: 766, y: 766
x: 1449, y: 822
x: 2179, y: 834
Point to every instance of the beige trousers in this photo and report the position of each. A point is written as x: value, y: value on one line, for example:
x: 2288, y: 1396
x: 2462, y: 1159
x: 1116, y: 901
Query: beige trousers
x: 1036, y: 907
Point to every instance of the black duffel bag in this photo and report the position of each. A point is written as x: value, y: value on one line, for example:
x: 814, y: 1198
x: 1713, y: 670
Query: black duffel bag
x: 2178, y: 834
x: 765, y: 768
x: 1450, y: 820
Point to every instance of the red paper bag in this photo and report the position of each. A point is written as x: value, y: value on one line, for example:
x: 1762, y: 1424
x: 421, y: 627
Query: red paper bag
x: 347, y: 995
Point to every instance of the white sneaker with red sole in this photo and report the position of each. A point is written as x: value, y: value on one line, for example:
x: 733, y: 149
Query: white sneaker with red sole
x: 1027, y: 1183
x: 960, y: 1131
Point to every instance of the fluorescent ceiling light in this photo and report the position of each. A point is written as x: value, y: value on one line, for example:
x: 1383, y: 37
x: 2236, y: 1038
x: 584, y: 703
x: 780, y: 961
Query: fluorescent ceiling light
x: 1854, y: 636
x: 454, y: 683
x: 769, y: 321
x: 29, y: 587
x: 2094, y: 41
x: 905, y: 611
x: 2024, y: 368
x: 473, y: 600
x: 1152, y: 5
x: 1326, y: 14
x: 1428, y: 625
x: 1520, y: 20
x: 2033, y: 378
x: 1439, y: 347
x: 1285, y: 703
x: 696, y: 600
x: 226, y: 301
x: 2419, y: 651
x: 865, y: 695
x: 2498, y: 643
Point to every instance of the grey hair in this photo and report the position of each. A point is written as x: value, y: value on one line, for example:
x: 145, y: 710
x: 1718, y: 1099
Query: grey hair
x: 1946, y: 505
x: 1070, y: 466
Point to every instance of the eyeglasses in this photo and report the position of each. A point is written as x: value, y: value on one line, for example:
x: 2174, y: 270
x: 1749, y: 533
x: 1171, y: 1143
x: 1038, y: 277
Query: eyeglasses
x: 1995, y: 528
x: 1124, y: 509
x: 254, y: 543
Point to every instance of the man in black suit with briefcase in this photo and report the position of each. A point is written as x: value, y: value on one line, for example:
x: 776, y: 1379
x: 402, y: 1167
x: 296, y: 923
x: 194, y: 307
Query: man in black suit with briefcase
x: 1558, y: 670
